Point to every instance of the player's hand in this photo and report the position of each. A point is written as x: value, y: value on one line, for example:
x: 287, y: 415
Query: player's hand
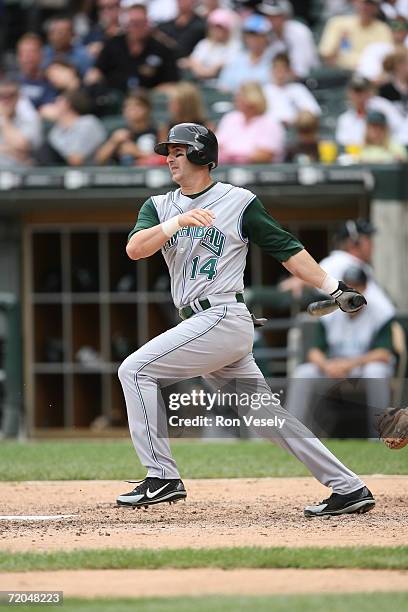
x: 347, y: 299
x: 198, y: 217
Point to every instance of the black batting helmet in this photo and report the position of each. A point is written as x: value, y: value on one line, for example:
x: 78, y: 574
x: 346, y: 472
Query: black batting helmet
x: 202, y: 144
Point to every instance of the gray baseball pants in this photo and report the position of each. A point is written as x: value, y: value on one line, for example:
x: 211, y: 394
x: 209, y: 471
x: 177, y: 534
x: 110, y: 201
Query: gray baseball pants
x: 216, y: 344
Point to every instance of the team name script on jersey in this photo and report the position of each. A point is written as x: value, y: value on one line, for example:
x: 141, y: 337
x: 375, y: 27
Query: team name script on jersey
x: 211, y: 238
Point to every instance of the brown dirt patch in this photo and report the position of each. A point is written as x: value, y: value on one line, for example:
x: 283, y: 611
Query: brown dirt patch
x: 239, y: 512
x: 170, y: 582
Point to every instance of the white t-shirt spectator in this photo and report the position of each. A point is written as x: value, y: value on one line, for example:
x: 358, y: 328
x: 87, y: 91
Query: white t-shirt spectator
x: 238, y: 138
x: 285, y: 103
x: 82, y: 138
x: 298, y: 43
x: 351, y: 127
x: 370, y: 65
x: 27, y: 120
x: 212, y: 54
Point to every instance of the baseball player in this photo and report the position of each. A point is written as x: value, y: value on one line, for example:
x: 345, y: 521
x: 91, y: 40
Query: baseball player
x: 353, y: 247
x: 203, y: 229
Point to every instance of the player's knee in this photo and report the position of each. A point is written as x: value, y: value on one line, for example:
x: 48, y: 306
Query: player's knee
x: 131, y: 365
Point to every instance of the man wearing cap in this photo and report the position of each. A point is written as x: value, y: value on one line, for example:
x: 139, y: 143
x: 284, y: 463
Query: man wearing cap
x: 290, y: 36
x: 355, y: 346
x: 252, y: 63
x: 351, y: 125
x: 354, y: 247
x: 346, y: 36
x: 379, y: 147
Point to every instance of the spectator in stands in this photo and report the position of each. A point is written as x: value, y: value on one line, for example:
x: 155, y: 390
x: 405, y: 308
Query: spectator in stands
x: 33, y: 83
x: 286, y: 98
x: 253, y: 62
x: 290, y: 36
x: 379, y: 147
x: 305, y: 148
x: 371, y: 64
x: 183, y: 33
x: 133, y: 144
x: 61, y: 45
x: 185, y: 105
x: 396, y: 89
x: 353, y: 246
x: 347, y: 346
x: 106, y: 27
x: 64, y: 77
x: 76, y: 135
x: 346, y: 36
x: 218, y: 48
x: 249, y: 134
x: 134, y: 59
x: 351, y: 125
x: 20, y: 127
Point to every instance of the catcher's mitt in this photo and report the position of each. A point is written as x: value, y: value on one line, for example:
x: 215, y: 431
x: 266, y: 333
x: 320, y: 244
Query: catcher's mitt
x: 392, y: 427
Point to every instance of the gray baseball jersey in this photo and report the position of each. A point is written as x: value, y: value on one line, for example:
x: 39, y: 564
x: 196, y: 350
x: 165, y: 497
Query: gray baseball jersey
x: 205, y: 261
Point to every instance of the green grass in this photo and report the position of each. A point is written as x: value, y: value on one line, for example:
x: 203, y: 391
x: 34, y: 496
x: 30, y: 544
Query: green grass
x: 116, y: 459
x: 363, y: 602
x: 370, y: 557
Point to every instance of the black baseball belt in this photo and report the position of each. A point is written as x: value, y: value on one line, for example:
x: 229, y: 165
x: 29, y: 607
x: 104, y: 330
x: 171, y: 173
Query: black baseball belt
x: 199, y: 305
x: 204, y: 304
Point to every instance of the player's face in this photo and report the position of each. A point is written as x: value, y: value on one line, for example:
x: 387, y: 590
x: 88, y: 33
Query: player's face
x: 178, y: 163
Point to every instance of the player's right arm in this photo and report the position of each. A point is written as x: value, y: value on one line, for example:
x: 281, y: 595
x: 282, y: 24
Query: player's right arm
x: 149, y: 235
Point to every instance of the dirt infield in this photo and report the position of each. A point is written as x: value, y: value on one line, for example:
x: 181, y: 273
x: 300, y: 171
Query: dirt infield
x: 171, y: 582
x: 237, y: 512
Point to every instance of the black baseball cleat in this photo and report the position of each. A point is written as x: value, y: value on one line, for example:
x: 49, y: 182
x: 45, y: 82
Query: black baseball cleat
x: 358, y: 502
x: 153, y: 491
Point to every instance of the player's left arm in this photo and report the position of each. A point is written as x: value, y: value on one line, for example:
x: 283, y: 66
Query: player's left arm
x: 266, y: 232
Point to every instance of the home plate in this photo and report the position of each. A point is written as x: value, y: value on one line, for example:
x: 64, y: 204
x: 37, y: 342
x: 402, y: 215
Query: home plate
x: 36, y: 517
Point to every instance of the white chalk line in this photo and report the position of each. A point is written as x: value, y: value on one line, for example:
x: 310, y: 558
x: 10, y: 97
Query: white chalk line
x: 35, y: 517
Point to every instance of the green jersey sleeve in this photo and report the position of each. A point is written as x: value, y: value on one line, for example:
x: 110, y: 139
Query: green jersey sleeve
x: 383, y: 338
x: 262, y: 229
x: 147, y: 217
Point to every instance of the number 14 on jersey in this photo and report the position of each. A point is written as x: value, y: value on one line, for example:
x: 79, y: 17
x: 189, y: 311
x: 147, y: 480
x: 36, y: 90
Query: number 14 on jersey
x: 208, y: 268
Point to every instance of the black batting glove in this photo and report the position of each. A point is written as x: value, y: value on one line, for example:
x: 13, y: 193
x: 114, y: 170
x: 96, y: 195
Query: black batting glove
x: 348, y: 299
